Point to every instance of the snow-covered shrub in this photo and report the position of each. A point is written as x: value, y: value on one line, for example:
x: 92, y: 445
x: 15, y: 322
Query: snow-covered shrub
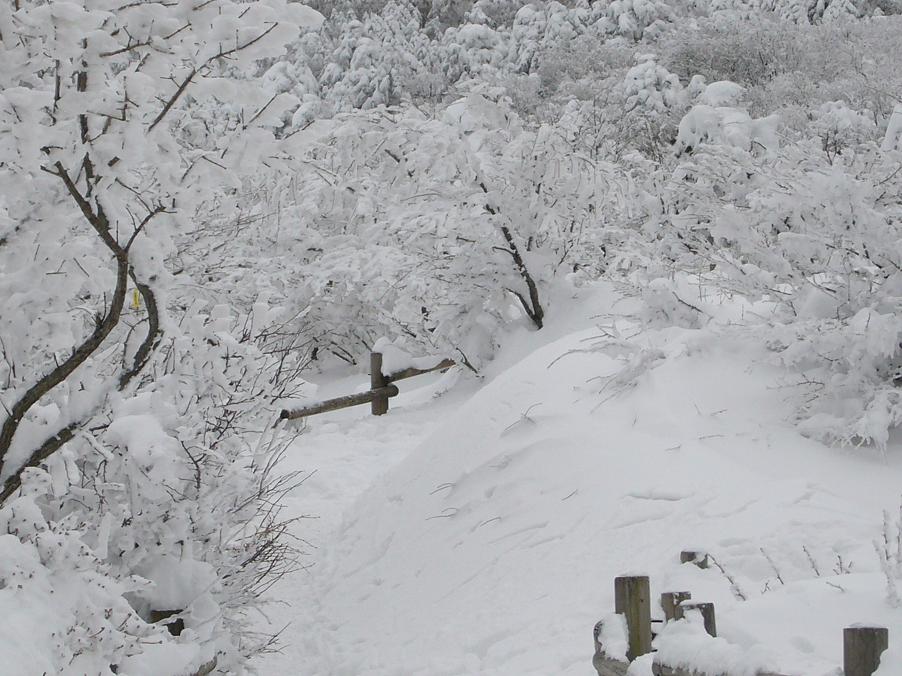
x: 136, y: 417
x: 654, y: 100
x: 440, y: 230
x: 839, y: 127
x: 633, y: 19
x: 470, y: 50
x: 716, y: 118
x: 651, y: 88
x: 748, y: 53
x: 819, y: 243
x: 445, y: 14
x: 537, y: 28
x: 495, y: 13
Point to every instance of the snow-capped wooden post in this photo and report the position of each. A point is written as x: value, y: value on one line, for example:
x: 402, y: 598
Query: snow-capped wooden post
x: 707, y: 611
x: 670, y: 601
x: 862, y: 648
x: 700, y: 559
x: 632, y: 598
x: 379, y: 405
x: 604, y: 665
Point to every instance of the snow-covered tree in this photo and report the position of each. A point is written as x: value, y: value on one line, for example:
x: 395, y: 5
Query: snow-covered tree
x: 654, y: 98
x: 120, y: 125
x: 439, y: 230
x: 633, y: 18
x: 813, y: 236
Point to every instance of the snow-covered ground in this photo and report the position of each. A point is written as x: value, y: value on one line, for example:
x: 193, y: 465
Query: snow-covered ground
x: 479, y: 532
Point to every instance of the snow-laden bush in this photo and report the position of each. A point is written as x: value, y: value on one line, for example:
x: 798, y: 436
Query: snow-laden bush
x: 438, y: 230
x: 749, y: 53
x: 633, y: 19
x: 819, y: 242
x: 131, y: 413
x: 840, y: 127
x: 717, y: 118
x: 654, y: 101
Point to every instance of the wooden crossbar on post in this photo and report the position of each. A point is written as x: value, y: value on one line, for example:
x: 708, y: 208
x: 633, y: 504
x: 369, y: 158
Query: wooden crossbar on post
x: 341, y: 402
x: 395, y: 376
x: 670, y: 601
x: 381, y: 390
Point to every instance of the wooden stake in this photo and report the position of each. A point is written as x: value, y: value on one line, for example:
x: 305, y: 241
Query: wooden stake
x: 862, y: 647
x: 632, y: 598
x: 377, y: 382
x: 670, y: 601
x: 707, y: 611
x: 604, y: 665
x: 700, y: 559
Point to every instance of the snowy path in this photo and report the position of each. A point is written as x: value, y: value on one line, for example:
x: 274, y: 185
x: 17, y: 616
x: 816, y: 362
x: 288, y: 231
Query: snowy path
x: 344, y: 453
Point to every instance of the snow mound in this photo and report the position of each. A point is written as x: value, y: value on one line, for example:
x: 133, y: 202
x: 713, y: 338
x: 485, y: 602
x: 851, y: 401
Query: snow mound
x: 492, y: 548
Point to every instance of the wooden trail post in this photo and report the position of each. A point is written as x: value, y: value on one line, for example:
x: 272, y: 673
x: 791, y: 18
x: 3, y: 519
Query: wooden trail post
x: 632, y: 598
x: 604, y: 665
x: 863, y: 645
x: 670, y: 601
x: 700, y: 559
x: 707, y: 611
x: 862, y: 648
x: 377, y: 382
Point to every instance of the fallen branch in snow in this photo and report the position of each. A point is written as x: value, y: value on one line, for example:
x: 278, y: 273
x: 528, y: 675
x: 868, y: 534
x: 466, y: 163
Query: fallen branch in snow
x: 734, y: 586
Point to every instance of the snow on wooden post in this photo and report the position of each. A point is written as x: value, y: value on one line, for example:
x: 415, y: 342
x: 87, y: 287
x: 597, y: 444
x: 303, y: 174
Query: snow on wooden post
x: 604, y: 665
x: 700, y: 559
x: 377, y: 382
x: 707, y: 611
x: 632, y: 598
x: 862, y: 647
x: 670, y: 601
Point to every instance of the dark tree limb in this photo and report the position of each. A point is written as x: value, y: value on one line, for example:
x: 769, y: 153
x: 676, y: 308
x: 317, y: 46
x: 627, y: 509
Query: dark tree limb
x: 48, y: 448
x: 533, y: 306
x: 151, y: 340
x: 194, y: 71
x: 103, y: 327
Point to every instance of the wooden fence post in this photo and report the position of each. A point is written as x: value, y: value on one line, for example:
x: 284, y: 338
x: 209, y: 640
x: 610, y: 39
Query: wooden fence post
x: 379, y: 406
x: 707, y: 611
x: 632, y: 598
x: 670, y: 601
x: 862, y: 647
x: 604, y: 665
x: 700, y: 559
